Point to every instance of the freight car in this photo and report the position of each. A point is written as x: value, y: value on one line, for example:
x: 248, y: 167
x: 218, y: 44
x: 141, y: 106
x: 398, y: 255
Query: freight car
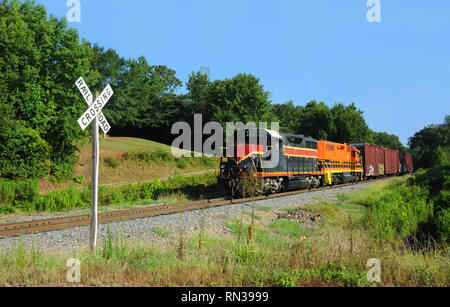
x: 373, y: 159
x: 391, y: 162
x: 409, y: 163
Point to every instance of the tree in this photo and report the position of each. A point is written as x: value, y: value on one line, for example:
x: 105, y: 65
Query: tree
x: 40, y: 60
x: 110, y: 67
x: 198, y: 86
x: 431, y: 145
x: 144, y: 97
x: 23, y: 153
x: 387, y: 140
x: 288, y: 115
x: 240, y: 99
x: 316, y: 121
x: 349, y: 125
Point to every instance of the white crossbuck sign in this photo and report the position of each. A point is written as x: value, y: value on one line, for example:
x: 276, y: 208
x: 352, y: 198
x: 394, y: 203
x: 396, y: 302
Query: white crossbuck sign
x: 95, y: 109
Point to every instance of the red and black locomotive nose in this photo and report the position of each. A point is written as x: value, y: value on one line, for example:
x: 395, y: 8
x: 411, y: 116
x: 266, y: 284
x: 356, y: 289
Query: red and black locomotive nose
x: 242, y: 151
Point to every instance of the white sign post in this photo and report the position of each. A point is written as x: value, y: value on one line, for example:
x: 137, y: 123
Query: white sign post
x: 94, y: 114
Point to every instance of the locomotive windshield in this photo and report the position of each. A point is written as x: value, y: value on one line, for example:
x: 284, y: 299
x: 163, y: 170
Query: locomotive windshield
x: 254, y: 137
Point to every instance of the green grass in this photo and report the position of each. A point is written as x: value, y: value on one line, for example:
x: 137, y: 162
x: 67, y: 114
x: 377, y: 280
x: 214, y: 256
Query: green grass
x: 254, y: 216
x: 125, y: 144
x: 290, y: 209
x: 264, y: 208
x: 391, y: 210
x: 111, y: 162
x: 161, y: 232
x: 166, y: 158
x: 334, y: 253
x: 344, y: 197
x: 23, y: 196
x: 288, y: 228
x: 79, y: 179
x: 130, y: 160
x: 15, y: 192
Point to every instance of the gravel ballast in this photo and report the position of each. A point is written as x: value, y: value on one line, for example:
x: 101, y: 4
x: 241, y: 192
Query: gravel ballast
x: 148, y: 229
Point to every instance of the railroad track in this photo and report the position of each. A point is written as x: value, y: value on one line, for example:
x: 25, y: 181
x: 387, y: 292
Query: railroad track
x: 21, y: 228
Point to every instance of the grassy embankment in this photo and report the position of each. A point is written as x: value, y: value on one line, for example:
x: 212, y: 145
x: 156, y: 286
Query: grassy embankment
x: 126, y: 160
x: 133, y: 171
x: 378, y: 222
x: 24, y: 197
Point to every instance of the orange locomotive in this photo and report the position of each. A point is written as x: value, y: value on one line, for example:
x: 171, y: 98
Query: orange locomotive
x: 340, y: 163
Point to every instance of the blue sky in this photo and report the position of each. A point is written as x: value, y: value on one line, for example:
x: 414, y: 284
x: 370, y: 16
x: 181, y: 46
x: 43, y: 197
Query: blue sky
x: 396, y: 71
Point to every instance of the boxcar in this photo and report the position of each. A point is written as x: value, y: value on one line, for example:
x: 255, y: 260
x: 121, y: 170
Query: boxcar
x: 403, y: 167
x: 373, y: 159
x: 391, y: 161
x: 409, y: 163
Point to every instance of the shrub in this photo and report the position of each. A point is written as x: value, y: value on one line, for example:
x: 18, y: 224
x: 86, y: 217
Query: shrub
x: 79, y: 179
x: 437, y: 181
x: 111, y: 162
x: 23, y: 153
x: 61, y: 200
x: 6, y: 209
x: 181, y: 163
x: 397, y: 211
x: 442, y: 223
x: 62, y: 169
x: 209, y: 162
x: 18, y: 192
x: 149, y: 157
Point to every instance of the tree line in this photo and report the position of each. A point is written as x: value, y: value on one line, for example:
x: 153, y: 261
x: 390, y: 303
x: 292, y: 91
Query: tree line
x: 39, y: 104
x: 430, y: 146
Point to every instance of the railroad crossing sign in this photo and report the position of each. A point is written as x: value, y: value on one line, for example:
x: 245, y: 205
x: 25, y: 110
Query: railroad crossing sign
x: 94, y: 110
x: 95, y: 116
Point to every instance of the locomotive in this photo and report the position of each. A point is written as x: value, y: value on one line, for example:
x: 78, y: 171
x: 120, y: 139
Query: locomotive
x: 302, y: 162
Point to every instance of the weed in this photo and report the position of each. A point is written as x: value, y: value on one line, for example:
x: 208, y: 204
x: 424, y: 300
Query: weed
x: 250, y: 228
x: 202, y: 231
x: 114, y: 248
x: 276, y: 254
x: 182, y: 163
x: 111, y: 162
x: 25, y: 195
x: 241, y: 220
x: 79, y: 179
x: 161, y: 232
x: 265, y: 208
x: 6, y: 209
x: 288, y: 228
x: 254, y: 216
x: 181, y: 235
